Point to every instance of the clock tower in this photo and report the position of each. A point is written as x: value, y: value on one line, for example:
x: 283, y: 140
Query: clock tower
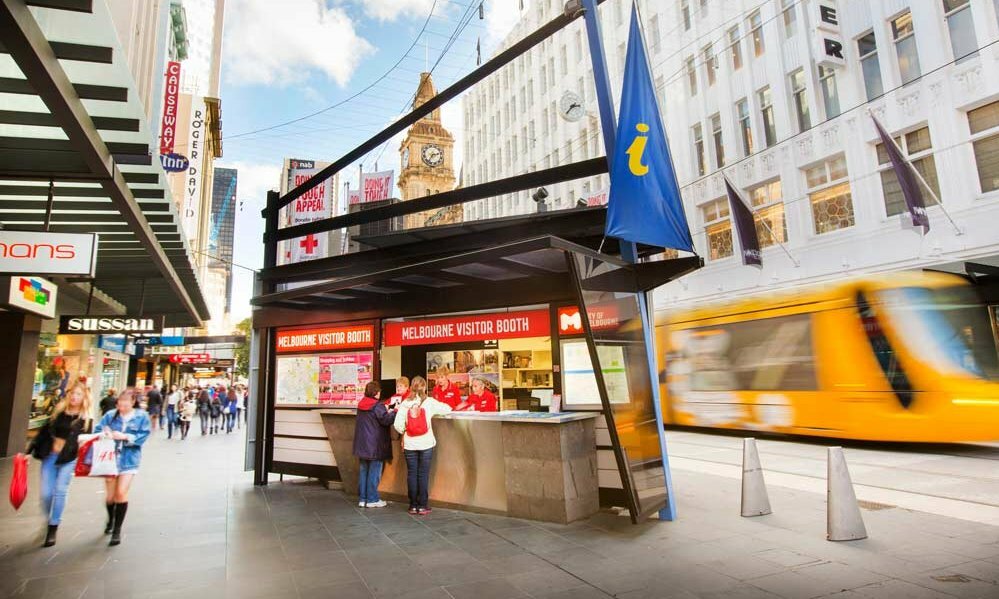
x: 426, y: 161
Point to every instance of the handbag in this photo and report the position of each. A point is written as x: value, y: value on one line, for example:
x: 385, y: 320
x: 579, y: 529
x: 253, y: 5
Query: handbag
x: 41, y: 445
x: 105, y: 458
x: 85, y: 458
x: 225, y: 410
x: 416, y: 422
x: 19, y: 481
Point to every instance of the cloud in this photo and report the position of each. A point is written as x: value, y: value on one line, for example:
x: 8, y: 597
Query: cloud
x: 390, y: 10
x: 282, y: 43
x: 500, y: 20
x: 253, y: 183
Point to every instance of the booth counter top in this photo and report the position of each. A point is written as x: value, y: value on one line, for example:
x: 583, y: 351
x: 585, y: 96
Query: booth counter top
x: 532, y: 465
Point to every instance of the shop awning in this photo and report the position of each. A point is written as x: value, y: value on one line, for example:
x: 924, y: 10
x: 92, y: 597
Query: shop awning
x: 71, y: 125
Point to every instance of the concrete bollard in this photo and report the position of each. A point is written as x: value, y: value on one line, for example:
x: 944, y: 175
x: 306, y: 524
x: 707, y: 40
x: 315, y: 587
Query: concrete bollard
x: 843, y: 519
x: 755, y: 501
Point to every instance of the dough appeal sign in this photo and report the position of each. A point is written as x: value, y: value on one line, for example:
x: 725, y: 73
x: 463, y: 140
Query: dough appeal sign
x: 480, y: 327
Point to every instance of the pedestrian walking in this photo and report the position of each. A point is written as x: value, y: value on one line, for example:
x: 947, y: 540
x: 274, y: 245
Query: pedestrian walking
x: 229, y: 409
x: 129, y: 427
x: 215, y: 408
x: 154, y: 406
x: 372, y: 443
x: 418, y: 442
x: 173, y: 409
x: 56, y: 445
x: 240, y: 405
x: 188, y: 406
x: 204, y: 409
x: 108, y: 401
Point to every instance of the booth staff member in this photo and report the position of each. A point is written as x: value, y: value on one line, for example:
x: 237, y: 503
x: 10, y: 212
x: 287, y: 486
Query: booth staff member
x: 446, y: 392
x: 481, y: 399
x: 402, y: 392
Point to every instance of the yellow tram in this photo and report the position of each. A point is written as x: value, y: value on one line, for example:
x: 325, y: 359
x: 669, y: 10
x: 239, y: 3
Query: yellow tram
x: 906, y: 356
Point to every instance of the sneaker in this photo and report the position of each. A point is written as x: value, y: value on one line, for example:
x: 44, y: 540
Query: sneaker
x: 362, y: 504
x: 378, y: 503
x: 423, y: 511
x: 413, y: 511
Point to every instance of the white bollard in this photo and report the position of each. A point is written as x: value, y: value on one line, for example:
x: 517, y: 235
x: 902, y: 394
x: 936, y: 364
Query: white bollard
x: 755, y: 501
x: 843, y: 519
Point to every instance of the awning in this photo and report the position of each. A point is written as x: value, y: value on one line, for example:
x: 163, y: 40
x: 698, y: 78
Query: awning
x: 71, y: 121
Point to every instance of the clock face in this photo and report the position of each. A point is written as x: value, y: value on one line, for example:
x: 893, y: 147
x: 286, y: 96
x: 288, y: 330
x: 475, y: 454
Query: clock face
x: 571, y: 106
x: 432, y: 155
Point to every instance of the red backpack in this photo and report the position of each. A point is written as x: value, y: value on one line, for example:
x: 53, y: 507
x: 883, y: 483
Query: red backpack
x: 416, y: 421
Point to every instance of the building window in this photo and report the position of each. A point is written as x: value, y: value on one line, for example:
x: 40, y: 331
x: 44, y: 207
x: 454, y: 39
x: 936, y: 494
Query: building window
x: 691, y: 76
x: 829, y: 195
x: 830, y: 95
x: 918, y: 147
x: 984, y: 125
x: 718, y: 228
x: 961, y: 25
x: 710, y: 64
x: 867, y: 47
x: 788, y: 16
x: 756, y: 32
x: 564, y: 59
x: 745, y: 126
x: 685, y: 14
x: 800, y: 100
x: 661, y: 90
x: 654, y: 34
x: 699, y: 160
x: 767, y: 113
x: 904, y: 34
x: 736, y: 46
x: 767, y: 201
x: 716, y: 138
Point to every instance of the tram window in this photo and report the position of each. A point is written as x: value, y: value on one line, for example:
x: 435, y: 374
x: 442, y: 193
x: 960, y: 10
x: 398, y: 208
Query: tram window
x: 771, y: 354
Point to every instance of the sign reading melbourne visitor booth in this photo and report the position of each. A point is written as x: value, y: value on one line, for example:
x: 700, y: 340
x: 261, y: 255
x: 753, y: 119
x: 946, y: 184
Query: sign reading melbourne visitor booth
x: 85, y: 325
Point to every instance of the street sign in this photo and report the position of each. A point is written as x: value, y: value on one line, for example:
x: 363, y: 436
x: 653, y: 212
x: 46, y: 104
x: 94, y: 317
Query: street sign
x: 41, y: 253
x: 160, y: 340
x: 190, y: 358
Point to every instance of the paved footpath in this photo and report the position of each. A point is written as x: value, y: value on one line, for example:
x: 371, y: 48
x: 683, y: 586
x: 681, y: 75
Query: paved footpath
x: 197, y: 527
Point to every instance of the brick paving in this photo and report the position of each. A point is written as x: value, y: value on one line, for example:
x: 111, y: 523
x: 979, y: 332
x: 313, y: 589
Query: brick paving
x: 197, y: 527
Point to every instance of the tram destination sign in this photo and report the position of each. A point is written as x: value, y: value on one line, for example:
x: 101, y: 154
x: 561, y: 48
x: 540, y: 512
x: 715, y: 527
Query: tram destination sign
x: 87, y: 325
x: 41, y: 253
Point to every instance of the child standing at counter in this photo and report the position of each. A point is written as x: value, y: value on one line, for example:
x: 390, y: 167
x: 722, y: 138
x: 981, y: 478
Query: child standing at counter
x: 418, y: 442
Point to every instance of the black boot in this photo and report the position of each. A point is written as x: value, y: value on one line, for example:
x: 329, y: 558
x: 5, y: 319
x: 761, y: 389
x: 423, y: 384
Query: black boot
x: 110, y: 524
x: 50, y: 536
x: 119, y: 517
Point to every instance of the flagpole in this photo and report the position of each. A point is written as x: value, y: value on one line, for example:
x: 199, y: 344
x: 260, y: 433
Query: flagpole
x: 762, y: 222
x: 919, y: 177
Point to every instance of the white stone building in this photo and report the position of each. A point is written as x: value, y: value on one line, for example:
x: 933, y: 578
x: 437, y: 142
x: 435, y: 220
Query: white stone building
x: 744, y: 93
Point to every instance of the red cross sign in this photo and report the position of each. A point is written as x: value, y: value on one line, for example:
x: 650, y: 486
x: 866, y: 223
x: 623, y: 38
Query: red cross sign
x: 309, y: 243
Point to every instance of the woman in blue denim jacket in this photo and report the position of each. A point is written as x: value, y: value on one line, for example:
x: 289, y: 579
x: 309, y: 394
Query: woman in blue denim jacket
x: 129, y: 426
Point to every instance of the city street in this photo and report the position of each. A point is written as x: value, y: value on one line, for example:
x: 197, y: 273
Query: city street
x: 198, y: 528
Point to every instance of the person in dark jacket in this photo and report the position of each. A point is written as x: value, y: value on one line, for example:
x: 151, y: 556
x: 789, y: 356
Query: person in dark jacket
x: 229, y: 409
x: 154, y: 406
x: 204, y: 409
x: 372, y: 443
x: 215, y: 408
x: 108, y: 401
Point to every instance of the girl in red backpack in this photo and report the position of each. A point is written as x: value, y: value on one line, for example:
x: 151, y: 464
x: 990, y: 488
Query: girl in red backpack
x: 418, y: 442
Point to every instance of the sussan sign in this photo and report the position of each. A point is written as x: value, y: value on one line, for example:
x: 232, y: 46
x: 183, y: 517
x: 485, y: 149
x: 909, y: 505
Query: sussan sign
x: 85, y: 325
x: 39, y: 253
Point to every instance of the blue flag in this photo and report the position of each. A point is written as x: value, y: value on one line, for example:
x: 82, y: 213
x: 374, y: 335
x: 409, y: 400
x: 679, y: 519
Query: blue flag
x: 644, y: 204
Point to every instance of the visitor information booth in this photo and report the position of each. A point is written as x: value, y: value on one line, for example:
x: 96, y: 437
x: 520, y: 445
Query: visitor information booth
x: 551, y: 326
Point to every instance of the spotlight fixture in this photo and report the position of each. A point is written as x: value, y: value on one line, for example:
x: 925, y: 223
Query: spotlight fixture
x: 540, y: 195
x: 581, y: 203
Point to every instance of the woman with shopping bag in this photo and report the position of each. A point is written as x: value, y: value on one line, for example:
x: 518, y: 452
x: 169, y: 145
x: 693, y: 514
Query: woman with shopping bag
x: 129, y: 428
x: 56, y: 445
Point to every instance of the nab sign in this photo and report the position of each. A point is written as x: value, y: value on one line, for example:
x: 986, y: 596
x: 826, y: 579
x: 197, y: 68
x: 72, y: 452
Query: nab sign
x: 86, y: 325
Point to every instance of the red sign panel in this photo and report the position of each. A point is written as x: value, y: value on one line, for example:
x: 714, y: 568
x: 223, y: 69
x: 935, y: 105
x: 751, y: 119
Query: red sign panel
x: 326, y: 338
x: 190, y: 358
x: 168, y: 129
x: 601, y: 317
x: 508, y: 325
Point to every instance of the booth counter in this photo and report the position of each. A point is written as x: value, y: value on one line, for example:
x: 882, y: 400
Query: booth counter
x: 533, y: 465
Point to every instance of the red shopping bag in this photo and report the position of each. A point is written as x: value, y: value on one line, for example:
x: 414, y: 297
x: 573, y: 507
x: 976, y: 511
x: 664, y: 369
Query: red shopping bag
x: 84, y: 458
x: 19, y: 481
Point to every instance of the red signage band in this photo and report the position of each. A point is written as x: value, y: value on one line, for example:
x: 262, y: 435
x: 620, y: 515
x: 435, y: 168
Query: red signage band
x: 325, y: 338
x: 190, y: 358
x: 507, y: 325
x: 171, y: 95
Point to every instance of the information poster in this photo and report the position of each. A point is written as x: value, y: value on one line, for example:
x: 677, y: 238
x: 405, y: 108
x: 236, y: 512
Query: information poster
x: 579, y: 381
x: 324, y: 379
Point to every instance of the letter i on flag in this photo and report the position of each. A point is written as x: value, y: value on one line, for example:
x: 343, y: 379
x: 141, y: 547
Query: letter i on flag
x: 908, y: 179
x: 644, y: 204
x: 745, y: 227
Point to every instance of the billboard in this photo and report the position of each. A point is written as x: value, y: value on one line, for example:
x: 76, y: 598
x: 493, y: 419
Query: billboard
x: 37, y: 252
x: 316, y: 204
x: 376, y: 186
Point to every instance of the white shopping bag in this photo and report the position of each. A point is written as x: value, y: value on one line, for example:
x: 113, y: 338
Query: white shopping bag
x: 105, y: 461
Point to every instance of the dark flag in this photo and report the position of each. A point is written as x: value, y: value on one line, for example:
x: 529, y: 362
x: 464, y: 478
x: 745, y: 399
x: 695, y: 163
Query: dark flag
x: 644, y: 204
x: 907, y: 179
x: 745, y: 227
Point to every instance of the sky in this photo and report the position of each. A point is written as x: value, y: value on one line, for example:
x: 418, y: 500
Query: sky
x: 290, y: 74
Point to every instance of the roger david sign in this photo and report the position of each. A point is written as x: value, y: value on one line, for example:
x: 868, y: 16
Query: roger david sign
x: 85, y: 325
x: 39, y: 253
x: 29, y: 294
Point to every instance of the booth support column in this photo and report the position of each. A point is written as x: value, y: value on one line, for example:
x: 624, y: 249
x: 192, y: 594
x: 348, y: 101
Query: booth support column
x: 262, y: 358
x: 629, y: 250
